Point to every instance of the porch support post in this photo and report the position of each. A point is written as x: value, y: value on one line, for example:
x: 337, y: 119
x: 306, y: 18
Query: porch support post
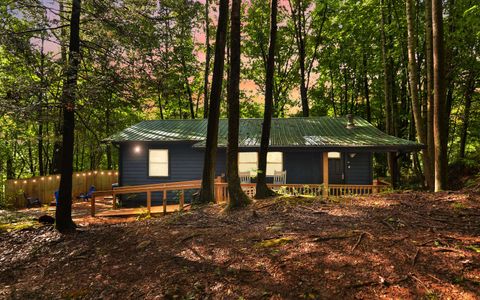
x: 325, y: 190
x: 149, y: 202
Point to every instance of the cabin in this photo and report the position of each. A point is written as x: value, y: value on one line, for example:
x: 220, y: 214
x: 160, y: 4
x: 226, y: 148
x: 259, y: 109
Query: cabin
x: 303, y: 150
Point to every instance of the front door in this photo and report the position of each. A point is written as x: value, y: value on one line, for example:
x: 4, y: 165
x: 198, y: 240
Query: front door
x: 335, y: 168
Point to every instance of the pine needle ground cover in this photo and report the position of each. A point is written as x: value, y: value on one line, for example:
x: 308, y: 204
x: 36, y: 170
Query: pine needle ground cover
x: 404, y: 245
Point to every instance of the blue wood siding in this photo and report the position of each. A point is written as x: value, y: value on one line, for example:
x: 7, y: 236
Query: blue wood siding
x: 303, y: 166
x: 358, y: 170
x: 186, y: 163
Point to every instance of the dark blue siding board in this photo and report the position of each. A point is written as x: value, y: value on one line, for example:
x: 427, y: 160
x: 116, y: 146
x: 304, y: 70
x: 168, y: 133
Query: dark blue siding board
x: 358, y: 170
x: 303, y: 166
x: 186, y: 163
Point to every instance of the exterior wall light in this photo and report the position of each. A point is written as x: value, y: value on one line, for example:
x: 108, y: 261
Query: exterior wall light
x: 137, y: 149
x: 352, y: 155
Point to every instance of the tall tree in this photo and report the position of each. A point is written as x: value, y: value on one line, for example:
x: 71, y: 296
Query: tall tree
x: 63, y: 214
x: 388, y: 93
x: 262, y: 191
x: 439, y: 122
x: 412, y: 75
x: 207, y: 193
x: 207, y: 59
x: 237, y: 197
x: 429, y: 90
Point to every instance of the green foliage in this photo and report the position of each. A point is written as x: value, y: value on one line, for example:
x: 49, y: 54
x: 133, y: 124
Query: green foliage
x: 145, y: 60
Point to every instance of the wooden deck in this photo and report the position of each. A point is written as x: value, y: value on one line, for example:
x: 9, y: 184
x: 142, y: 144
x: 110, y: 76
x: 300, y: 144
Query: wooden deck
x: 123, y: 212
x: 221, y: 195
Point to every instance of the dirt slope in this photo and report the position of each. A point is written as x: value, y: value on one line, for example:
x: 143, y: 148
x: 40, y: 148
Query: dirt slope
x: 407, y: 245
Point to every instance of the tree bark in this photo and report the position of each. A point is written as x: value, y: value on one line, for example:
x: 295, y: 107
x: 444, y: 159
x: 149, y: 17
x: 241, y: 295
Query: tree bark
x: 388, y: 94
x: 429, y: 90
x: 237, y: 196
x: 207, y: 192
x: 412, y: 75
x: 63, y: 214
x: 262, y: 191
x: 298, y: 21
x: 366, y: 90
x: 207, y: 59
x: 439, y: 122
x: 470, y: 89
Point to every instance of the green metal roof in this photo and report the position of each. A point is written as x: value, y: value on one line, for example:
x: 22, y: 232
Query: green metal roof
x: 322, y: 132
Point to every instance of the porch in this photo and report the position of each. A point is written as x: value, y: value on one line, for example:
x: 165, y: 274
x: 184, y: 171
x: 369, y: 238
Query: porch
x: 221, y: 194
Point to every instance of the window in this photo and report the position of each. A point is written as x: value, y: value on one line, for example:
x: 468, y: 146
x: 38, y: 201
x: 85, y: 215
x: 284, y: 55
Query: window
x: 333, y: 154
x: 274, y: 162
x: 158, y: 162
x: 248, y: 162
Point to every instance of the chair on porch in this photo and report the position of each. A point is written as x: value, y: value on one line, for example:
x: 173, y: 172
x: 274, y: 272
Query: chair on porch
x: 279, y: 177
x: 245, y: 177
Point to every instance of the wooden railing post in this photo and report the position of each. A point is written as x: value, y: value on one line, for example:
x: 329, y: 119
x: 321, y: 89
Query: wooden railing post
x: 92, y: 206
x: 149, y: 202
x: 325, y: 191
x: 182, y: 199
x: 164, y: 201
x: 114, y: 201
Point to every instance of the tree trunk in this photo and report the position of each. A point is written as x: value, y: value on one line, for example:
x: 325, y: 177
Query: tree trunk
x: 41, y: 170
x: 108, y: 150
x: 237, y: 196
x: 207, y: 59
x: 412, y: 74
x: 388, y: 94
x: 299, y: 25
x: 207, y: 192
x: 262, y: 191
x: 63, y: 214
x: 470, y: 89
x: 439, y: 122
x: 365, y: 89
x: 429, y: 90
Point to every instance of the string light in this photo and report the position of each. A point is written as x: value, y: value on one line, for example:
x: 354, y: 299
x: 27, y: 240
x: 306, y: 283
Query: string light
x: 43, y: 178
x: 15, y: 182
x: 58, y: 177
x: 50, y: 178
x: 24, y: 181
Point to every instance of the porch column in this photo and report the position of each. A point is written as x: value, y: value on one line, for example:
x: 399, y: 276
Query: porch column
x: 325, y: 190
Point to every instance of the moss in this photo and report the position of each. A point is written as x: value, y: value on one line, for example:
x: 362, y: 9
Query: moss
x: 274, y: 242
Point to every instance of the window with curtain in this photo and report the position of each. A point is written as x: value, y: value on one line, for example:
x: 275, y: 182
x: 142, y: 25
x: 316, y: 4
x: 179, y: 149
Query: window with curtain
x: 248, y: 162
x: 274, y: 162
x: 158, y: 162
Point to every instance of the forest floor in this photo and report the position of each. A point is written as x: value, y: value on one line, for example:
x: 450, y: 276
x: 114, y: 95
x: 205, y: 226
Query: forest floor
x: 406, y: 245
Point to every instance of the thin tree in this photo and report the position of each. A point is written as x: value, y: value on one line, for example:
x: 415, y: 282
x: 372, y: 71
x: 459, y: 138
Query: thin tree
x: 440, y: 123
x: 429, y: 89
x: 207, y: 192
x: 207, y: 59
x: 262, y: 191
x: 388, y: 95
x: 412, y: 75
x: 63, y: 214
x: 469, y: 90
x: 237, y: 196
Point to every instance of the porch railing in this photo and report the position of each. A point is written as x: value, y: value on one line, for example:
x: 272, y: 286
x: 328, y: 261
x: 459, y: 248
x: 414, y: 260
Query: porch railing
x: 222, y: 195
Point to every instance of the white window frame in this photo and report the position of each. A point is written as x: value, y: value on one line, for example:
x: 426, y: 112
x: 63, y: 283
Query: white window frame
x: 166, y: 163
